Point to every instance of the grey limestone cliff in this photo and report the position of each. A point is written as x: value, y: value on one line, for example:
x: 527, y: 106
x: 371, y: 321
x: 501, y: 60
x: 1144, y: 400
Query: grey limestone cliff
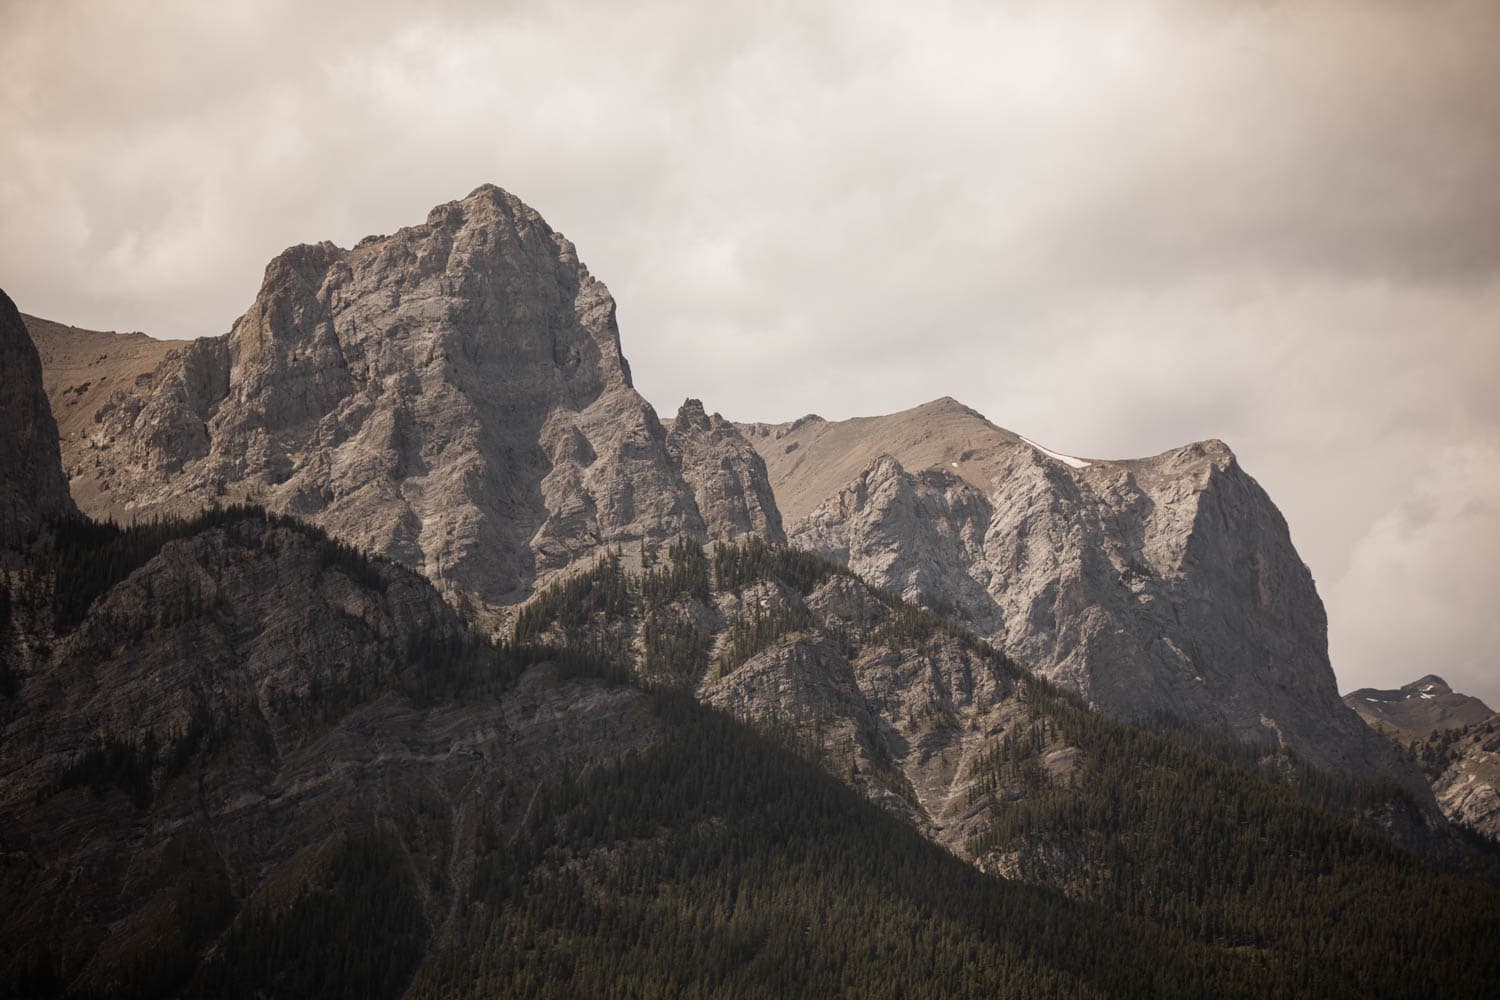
x: 452, y: 396
x: 727, y: 475
x: 1159, y: 586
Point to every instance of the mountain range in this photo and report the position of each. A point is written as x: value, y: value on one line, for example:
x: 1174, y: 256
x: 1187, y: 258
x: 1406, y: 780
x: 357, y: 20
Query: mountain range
x: 395, y: 646
x: 454, y: 397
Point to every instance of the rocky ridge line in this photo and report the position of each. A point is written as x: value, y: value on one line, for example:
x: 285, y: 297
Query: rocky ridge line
x: 452, y: 396
x: 1159, y: 586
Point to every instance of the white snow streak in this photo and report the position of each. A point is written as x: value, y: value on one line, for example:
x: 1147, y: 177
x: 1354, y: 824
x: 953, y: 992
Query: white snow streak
x: 1069, y: 460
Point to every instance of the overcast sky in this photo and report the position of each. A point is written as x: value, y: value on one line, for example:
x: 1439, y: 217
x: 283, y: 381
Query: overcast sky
x: 1114, y: 227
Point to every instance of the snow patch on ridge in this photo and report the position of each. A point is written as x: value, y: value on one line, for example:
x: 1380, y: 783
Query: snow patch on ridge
x: 1069, y: 460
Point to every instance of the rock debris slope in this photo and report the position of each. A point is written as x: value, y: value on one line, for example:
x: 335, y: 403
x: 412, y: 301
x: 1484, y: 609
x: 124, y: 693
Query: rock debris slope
x: 1166, y: 585
x: 32, y: 489
x: 452, y: 396
x: 81, y: 370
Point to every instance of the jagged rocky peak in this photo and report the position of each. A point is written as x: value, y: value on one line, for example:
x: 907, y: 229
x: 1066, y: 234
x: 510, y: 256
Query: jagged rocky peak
x: 485, y: 280
x: 727, y: 475
x: 33, y: 490
x: 452, y: 396
x: 1425, y: 705
x: 1162, y: 585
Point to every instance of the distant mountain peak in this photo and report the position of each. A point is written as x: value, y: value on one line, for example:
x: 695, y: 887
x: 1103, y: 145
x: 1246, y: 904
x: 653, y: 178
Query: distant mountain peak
x: 1432, y: 684
x: 1425, y: 705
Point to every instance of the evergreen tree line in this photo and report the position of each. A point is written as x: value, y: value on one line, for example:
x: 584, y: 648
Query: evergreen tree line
x: 81, y: 559
x: 1436, y: 751
x: 717, y: 863
x: 1208, y: 852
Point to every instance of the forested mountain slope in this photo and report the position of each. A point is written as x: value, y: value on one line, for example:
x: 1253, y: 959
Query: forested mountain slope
x: 1205, y: 838
x: 327, y: 786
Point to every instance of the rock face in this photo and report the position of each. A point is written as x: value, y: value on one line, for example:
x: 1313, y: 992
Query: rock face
x: 893, y: 701
x: 1160, y: 585
x: 1424, y: 705
x: 1467, y: 785
x: 452, y: 396
x: 727, y: 475
x: 920, y: 534
x: 32, y: 488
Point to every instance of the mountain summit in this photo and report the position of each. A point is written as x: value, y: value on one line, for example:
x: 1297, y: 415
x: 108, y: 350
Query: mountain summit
x: 452, y: 396
x: 1156, y: 586
x: 241, y: 754
x: 1425, y: 705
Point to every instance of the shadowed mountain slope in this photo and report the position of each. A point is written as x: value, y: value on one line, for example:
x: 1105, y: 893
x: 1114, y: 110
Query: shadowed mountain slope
x: 33, y: 490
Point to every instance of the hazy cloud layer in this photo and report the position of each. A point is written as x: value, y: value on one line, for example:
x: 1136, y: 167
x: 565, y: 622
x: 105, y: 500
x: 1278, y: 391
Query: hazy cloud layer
x: 1114, y: 227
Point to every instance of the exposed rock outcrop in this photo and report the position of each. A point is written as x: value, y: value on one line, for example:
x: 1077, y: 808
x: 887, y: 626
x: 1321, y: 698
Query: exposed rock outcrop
x: 1467, y: 785
x: 452, y: 396
x: 727, y: 475
x: 1166, y: 585
x: 920, y: 535
x: 32, y: 488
